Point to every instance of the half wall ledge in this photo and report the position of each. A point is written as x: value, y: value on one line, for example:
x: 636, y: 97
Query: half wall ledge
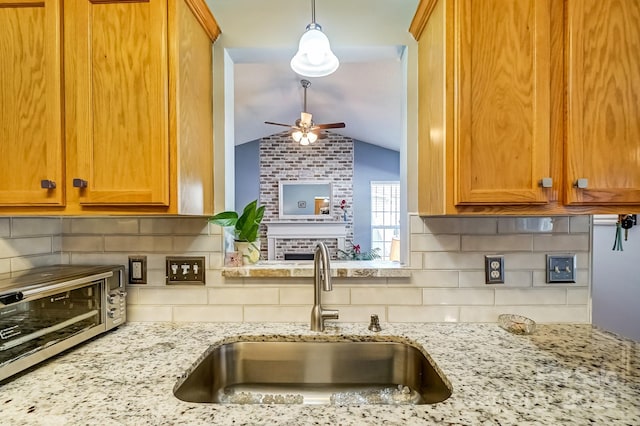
x: 339, y: 269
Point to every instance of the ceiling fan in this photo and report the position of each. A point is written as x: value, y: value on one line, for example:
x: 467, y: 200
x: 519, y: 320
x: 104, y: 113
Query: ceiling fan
x: 305, y: 131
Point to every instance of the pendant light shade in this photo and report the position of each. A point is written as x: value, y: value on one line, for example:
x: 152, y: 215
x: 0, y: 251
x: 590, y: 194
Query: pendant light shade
x: 314, y: 57
x: 304, y: 138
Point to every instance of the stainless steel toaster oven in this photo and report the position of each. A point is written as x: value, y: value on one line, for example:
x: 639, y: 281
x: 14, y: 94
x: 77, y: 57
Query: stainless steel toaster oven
x: 46, y: 310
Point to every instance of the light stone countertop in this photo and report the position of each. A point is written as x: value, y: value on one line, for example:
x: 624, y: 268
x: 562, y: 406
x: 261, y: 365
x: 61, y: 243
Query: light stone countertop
x: 561, y: 374
x: 304, y: 269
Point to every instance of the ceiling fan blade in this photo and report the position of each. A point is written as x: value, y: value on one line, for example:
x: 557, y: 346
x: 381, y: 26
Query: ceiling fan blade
x: 279, y: 124
x: 329, y: 126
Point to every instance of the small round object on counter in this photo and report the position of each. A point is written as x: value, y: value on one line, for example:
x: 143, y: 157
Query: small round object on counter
x: 516, y: 324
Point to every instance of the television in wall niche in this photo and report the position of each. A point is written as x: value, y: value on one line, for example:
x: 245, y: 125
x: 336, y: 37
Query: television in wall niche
x: 305, y: 199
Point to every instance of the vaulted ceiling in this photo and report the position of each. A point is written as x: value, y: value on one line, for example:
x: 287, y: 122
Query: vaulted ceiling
x: 367, y: 92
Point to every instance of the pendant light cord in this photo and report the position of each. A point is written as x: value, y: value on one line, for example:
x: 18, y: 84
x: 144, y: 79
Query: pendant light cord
x: 313, y: 11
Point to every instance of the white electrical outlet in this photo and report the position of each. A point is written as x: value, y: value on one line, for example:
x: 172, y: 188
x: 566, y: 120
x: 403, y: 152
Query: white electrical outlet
x: 494, y: 269
x: 138, y: 269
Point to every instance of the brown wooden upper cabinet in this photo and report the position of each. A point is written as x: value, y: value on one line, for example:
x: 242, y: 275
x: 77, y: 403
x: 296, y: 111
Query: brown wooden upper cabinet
x: 603, y: 104
x: 138, y: 109
x: 31, y: 132
x: 519, y: 110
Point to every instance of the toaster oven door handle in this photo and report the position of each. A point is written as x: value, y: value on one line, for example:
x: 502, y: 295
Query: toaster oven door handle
x: 70, y: 283
x: 9, y: 298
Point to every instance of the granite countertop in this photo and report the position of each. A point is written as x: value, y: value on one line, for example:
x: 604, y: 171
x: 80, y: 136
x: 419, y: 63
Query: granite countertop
x: 339, y: 269
x: 561, y: 374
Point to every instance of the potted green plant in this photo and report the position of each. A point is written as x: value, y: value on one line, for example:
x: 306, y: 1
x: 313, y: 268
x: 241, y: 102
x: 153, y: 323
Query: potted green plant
x: 355, y: 253
x: 245, y: 229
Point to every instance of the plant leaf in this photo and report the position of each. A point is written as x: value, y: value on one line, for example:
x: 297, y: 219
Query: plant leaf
x: 224, y: 219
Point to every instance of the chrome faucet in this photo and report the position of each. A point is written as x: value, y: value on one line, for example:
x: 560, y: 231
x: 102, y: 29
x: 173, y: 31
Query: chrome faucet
x: 321, y: 277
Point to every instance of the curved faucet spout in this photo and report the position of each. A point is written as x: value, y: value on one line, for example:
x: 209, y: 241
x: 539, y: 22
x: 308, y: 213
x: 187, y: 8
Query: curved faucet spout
x: 321, y: 280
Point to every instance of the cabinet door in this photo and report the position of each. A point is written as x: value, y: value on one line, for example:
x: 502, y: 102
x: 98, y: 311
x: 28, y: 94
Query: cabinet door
x: 603, y: 128
x: 122, y: 102
x: 30, y: 103
x: 502, y: 114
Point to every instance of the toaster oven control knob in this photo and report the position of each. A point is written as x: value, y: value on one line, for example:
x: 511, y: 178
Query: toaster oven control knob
x: 111, y: 312
x: 110, y: 299
x: 123, y: 293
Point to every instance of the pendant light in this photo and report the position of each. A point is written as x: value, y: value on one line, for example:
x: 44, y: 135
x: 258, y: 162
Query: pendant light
x: 314, y: 57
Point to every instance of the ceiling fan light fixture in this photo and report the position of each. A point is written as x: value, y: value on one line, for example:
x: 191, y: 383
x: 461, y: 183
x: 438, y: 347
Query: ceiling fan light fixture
x: 297, y: 135
x: 304, y: 141
x: 305, y: 119
x: 314, y: 57
x: 312, y: 137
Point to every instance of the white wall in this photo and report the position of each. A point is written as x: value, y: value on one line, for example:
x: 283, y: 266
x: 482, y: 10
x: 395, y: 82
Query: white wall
x: 616, y: 280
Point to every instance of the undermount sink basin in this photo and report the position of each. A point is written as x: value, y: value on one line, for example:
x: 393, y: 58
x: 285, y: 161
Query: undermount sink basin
x: 313, y: 372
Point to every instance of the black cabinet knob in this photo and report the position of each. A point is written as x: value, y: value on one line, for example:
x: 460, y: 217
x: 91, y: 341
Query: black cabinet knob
x: 79, y: 183
x: 47, y: 184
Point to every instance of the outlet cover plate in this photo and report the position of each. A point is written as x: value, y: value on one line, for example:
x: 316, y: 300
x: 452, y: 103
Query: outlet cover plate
x: 561, y: 268
x: 494, y: 269
x: 137, y: 269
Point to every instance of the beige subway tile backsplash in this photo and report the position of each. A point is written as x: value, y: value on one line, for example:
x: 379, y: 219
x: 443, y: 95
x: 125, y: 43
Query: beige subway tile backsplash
x: 101, y: 225
x: 435, y: 278
x: 254, y: 313
x: 453, y: 261
x: 211, y: 243
x: 22, y: 263
x: 535, y: 296
x: 149, y: 313
x: 133, y: 243
x: 497, y: 243
x: 580, y: 224
x: 458, y: 296
x: 244, y: 296
x: 446, y: 259
x: 208, y: 313
x: 175, y: 295
x: 27, y: 246
x: 578, y: 296
x: 426, y: 242
x: 423, y: 313
x: 174, y: 225
x: 360, y: 313
x: 559, y: 243
x: 5, y: 227
x: 83, y: 243
x: 27, y: 226
x: 386, y: 296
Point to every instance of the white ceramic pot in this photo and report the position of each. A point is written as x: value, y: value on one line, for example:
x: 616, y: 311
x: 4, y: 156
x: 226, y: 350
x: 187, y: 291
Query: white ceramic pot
x: 250, y: 252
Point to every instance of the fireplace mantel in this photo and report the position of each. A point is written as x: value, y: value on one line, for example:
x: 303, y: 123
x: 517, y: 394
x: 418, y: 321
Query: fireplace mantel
x: 303, y: 230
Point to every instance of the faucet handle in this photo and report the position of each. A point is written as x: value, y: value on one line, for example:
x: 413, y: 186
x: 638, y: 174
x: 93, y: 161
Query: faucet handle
x: 374, y: 325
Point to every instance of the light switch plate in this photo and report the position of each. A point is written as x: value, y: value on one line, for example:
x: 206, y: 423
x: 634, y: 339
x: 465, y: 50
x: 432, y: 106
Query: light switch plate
x: 185, y: 270
x: 561, y: 268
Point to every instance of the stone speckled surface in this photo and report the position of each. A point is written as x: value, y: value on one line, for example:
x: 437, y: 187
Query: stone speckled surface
x: 302, y: 269
x: 561, y: 374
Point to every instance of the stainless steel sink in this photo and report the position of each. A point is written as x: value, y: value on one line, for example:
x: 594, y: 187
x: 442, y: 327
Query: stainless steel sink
x: 313, y: 372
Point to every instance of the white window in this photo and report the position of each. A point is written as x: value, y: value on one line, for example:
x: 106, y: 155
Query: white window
x: 385, y: 215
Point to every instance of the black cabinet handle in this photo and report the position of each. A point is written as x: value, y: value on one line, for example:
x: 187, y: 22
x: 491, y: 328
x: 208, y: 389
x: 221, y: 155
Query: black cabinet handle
x: 47, y: 184
x: 79, y: 183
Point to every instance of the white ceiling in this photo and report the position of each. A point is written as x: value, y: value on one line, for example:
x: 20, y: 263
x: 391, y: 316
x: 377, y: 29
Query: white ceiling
x: 366, y: 92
